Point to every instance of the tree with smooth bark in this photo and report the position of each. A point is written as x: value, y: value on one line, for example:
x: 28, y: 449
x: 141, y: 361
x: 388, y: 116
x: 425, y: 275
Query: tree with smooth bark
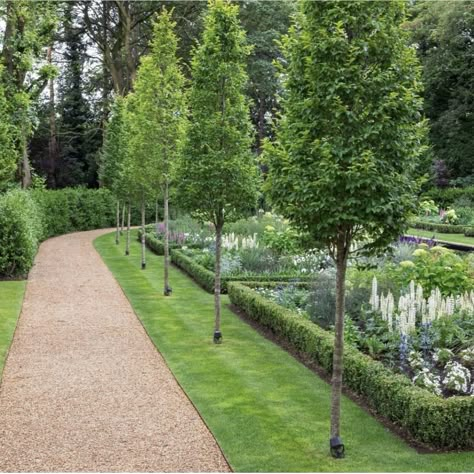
x: 113, y: 154
x: 348, y: 139
x: 161, y: 112
x: 216, y: 177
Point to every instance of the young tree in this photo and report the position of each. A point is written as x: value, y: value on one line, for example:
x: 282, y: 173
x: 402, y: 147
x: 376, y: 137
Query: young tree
x: 348, y: 139
x: 113, y: 155
x: 216, y: 176
x: 161, y: 112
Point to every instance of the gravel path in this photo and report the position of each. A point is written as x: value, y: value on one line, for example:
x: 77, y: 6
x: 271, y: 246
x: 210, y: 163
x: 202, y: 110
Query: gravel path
x: 84, y: 389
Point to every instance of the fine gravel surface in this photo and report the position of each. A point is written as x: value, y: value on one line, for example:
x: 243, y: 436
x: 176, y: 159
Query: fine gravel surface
x: 84, y: 389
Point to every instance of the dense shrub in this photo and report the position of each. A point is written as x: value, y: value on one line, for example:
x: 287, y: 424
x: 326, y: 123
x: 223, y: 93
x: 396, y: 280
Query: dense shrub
x: 20, y: 232
x: 443, y: 423
x: 445, y: 197
x: 28, y: 217
x: 443, y: 228
x: 74, y: 209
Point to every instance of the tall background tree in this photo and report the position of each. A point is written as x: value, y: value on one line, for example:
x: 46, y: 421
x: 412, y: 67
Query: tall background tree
x: 342, y: 165
x: 76, y: 136
x: 444, y: 34
x: 216, y: 176
x: 28, y: 28
x: 8, y: 153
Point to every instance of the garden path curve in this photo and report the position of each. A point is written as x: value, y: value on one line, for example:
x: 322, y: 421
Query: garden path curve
x: 84, y: 389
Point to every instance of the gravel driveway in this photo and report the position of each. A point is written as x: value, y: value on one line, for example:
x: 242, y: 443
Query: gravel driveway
x: 84, y: 389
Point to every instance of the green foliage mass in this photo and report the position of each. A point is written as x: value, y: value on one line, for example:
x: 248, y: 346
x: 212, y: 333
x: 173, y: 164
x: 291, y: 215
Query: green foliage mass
x: 8, y: 152
x: 351, y: 129
x: 20, y: 232
x: 158, y: 111
x: 28, y: 217
x: 114, y: 149
x: 443, y: 32
x: 217, y: 174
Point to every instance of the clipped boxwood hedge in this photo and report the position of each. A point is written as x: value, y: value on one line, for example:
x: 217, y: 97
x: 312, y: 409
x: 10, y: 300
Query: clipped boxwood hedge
x: 205, y: 278
x: 469, y: 231
x: 442, y: 423
x: 443, y: 228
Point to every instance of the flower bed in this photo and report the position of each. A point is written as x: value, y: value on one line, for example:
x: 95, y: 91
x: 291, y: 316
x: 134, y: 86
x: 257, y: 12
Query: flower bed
x: 205, y: 277
x: 430, y: 419
x: 417, y: 329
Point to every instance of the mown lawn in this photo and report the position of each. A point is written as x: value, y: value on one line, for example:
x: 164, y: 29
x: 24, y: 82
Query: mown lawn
x: 267, y: 411
x: 455, y: 238
x: 11, y: 298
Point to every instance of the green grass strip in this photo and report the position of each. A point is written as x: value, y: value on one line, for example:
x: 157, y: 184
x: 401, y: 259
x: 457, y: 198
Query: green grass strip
x: 267, y: 411
x: 454, y: 238
x: 11, y: 299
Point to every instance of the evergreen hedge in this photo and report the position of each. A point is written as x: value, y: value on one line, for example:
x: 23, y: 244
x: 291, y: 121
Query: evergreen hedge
x: 28, y: 217
x: 443, y: 228
x: 21, y: 230
x: 442, y: 423
x: 74, y: 209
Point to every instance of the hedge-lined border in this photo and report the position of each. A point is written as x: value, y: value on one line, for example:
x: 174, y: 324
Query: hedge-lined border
x: 205, y: 277
x: 443, y: 228
x: 442, y: 423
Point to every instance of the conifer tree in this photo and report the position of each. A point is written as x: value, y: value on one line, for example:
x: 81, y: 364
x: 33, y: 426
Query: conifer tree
x: 216, y: 176
x: 348, y: 140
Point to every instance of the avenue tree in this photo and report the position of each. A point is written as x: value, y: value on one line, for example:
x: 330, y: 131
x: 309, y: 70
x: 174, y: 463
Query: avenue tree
x: 113, y: 154
x: 216, y: 176
x: 161, y: 113
x: 348, y: 139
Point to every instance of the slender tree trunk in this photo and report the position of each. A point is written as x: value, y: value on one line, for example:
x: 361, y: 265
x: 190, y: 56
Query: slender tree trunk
x: 123, y: 218
x: 117, y: 239
x: 127, y: 244
x: 336, y: 382
x: 217, y: 286
x: 53, y: 140
x: 143, y: 234
x: 25, y: 165
x: 167, y: 291
x: 156, y: 214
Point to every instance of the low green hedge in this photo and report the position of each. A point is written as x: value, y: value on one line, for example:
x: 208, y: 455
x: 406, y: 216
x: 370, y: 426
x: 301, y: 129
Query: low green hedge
x: 205, y: 278
x: 443, y: 228
x: 200, y: 274
x: 442, y: 423
x: 469, y: 231
x: 153, y: 243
